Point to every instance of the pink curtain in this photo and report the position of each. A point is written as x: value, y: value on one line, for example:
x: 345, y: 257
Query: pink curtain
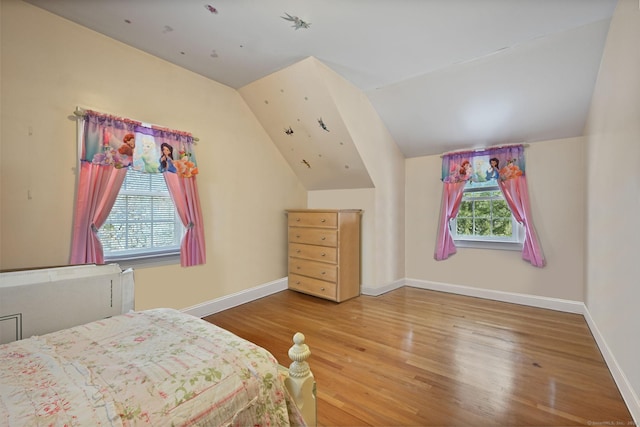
x: 517, y: 196
x: 110, y: 146
x: 504, y: 166
x: 184, y: 192
x: 451, y: 198
x: 98, y: 188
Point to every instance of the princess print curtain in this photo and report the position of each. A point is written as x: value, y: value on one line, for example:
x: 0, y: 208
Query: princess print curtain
x: 123, y: 143
x: 110, y: 145
x: 505, y: 166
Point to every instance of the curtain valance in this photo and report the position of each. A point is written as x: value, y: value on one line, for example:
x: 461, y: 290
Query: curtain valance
x: 501, y: 164
x: 121, y: 143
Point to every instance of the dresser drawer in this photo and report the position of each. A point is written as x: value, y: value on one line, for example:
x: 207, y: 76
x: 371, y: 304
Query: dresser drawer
x: 313, y: 286
x: 313, y: 219
x: 317, y: 253
x: 318, y: 270
x: 313, y: 236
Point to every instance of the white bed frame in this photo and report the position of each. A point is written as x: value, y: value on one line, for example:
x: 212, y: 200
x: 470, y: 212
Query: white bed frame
x: 299, y: 380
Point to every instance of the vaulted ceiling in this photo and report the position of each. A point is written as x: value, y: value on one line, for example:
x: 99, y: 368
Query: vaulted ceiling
x: 441, y: 74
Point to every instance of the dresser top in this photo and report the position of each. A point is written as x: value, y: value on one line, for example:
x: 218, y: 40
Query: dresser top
x: 324, y: 210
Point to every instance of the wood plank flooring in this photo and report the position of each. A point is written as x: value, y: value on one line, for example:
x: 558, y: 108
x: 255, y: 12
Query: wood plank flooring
x: 414, y: 357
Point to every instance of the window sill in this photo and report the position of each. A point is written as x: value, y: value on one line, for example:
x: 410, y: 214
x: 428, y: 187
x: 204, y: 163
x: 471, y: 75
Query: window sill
x: 483, y: 244
x: 146, y: 261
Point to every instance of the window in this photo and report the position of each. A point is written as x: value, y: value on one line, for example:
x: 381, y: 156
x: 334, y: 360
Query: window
x: 143, y: 222
x: 485, y: 220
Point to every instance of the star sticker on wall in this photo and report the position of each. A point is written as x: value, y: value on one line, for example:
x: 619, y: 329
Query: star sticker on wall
x: 297, y: 22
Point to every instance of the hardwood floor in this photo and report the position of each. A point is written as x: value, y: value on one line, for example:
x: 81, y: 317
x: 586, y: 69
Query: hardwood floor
x: 415, y: 357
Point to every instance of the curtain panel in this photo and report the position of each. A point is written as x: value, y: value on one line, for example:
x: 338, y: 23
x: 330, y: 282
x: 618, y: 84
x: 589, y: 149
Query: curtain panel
x: 109, y: 146
x: 97, y: 191
x: 505, y: 166
x: 450, y: 204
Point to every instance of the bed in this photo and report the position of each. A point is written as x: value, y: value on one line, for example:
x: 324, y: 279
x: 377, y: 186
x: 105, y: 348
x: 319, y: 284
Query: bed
x: 157, y: 367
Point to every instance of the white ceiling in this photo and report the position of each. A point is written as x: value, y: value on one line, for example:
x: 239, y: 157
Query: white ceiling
x: 442, y: 74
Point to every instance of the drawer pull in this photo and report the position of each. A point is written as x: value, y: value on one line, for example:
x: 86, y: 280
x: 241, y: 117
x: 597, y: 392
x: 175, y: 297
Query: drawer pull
x: 297, y: 282
x: 323, y: 272
x: 297, y: 267
x: 297, y: 251
x: 323, y: 220
x: 322, y: 289
x: 323, y: 238
x: 298, y: 219
x: 323, y: 254
x: 297, y: 236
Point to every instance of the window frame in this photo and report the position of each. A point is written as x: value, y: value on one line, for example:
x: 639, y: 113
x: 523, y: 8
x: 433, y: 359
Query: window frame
x: 515, y: 242
x: 148, y: 257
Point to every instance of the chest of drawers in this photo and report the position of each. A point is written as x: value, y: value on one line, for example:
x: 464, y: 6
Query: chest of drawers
x: 324, y: 252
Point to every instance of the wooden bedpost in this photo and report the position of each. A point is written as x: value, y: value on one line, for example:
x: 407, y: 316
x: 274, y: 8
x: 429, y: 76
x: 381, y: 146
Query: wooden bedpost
x: 300, y: 380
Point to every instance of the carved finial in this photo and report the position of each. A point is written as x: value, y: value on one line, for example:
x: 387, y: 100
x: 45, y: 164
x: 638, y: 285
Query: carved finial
x: 299, y: 353
x: 298, y: 338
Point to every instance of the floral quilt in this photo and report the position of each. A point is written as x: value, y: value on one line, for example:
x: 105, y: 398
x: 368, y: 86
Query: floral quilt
x: 157, y: 367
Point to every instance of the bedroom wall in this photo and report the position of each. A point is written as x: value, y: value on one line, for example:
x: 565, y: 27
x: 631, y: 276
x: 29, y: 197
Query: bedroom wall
x: 555, y: 175
x: 358, y: 154
x: 50, y: 65
x: 386, y: 166
x: 613, y: 198
x: 365, y: 199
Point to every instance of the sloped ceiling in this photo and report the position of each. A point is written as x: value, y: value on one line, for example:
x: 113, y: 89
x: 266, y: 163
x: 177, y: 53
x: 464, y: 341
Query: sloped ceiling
x: 540, y: 90
x: 295, y: 107
x: 442, y: 74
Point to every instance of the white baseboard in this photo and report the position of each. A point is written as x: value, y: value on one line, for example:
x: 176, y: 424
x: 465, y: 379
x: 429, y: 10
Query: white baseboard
x: 229, y: 301
x: 524, y: 299
x: 628, y: 394
x: 374, y: 292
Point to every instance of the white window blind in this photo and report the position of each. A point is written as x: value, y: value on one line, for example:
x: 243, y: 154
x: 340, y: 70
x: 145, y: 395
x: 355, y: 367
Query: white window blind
x: 143, y: 221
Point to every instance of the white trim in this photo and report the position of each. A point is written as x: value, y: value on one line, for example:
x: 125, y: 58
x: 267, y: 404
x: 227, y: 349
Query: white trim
x: 512, y: 297
x: 488, y: 244
x: 628, y: 394
x: 147, y: 261
x: 229, y: 301
x: 374, y: 292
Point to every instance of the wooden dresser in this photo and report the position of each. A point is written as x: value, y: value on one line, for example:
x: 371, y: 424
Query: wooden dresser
x: 324, y: 252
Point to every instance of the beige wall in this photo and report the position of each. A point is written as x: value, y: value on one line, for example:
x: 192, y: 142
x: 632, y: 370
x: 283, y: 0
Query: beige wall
x: 365, y: 170
x: 556, y: 186
x: 364, y: 199
x: 613, y: 194
x: 50, y: 65
x: 386, y: 166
